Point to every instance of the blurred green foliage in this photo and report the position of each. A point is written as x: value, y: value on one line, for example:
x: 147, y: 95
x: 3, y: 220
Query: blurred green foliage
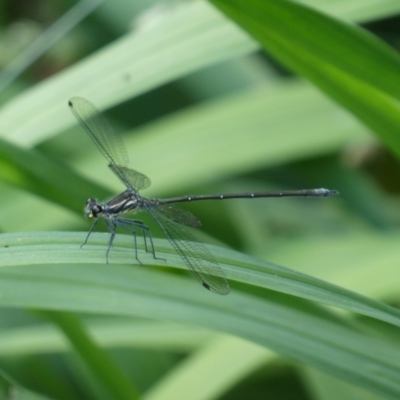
x: 309, y: 100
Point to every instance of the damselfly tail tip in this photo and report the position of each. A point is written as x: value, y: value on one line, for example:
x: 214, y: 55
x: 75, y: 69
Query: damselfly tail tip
x: 333, y: 193
x: 324, y: 192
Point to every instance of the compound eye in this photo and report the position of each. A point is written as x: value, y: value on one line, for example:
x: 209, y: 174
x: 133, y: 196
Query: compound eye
x: 90, y: 203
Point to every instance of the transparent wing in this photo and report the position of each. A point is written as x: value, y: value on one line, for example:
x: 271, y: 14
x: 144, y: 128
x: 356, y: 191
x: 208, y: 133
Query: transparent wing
x: 179, y: 215
x: 136, y: 179
x: 196, y: 255
x: 103, y: 134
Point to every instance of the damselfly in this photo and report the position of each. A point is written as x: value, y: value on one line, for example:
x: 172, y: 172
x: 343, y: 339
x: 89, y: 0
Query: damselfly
x: 169, y: 218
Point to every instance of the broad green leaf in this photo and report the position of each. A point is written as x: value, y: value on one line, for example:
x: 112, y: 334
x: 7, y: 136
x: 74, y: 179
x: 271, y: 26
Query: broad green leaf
x: 209, y: 349
x: 344, y: 47
x: 217, y: 364
x: 52, y: 273
x: 32, y: 248
x: 112, y: 380
x: 142, y: 60
x: 29, y: 170
x: 327, y: 387
x: 349, y: 64
x: 356, y: 10
x: 183, y: 40
x: 365, y: 261
x: 107, y: 332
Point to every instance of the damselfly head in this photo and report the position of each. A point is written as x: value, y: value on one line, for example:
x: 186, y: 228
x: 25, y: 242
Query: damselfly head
x: 93, y: 209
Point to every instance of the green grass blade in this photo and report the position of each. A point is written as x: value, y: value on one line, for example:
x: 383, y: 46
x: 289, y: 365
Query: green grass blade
x: 298, y: 334
x: 34, y: 248
x: 366, y: 260
x: 46, y: 40
x: 49, y: 272
x: 107, y: 332
x: 109, y: 376
x: 32, y: 171
x: 306, y: 32
x: 217, y: 364
x: 186, y: 39
x: 349, y: 64
x: 356, y: 10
